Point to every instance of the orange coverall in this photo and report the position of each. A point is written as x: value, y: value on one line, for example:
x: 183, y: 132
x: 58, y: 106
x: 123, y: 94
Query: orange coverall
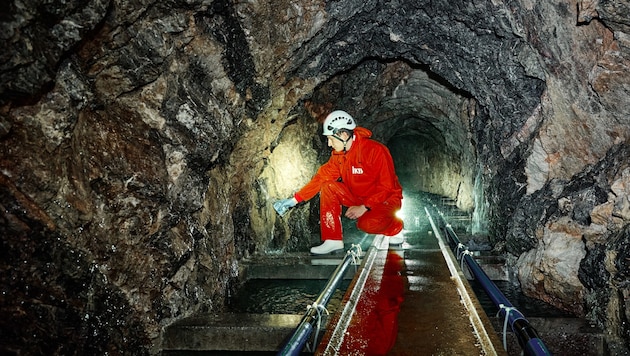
x: 363, y: 175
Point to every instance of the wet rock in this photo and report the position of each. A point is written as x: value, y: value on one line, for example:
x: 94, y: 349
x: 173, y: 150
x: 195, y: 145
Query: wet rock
x: 36, y: 36
x: 522, y: 232
x: 151, y: 139
x: 621, y: 190
x: 295, y: 158
x: 550, y: 272
x: 604, y: 273
x: 58, y: 295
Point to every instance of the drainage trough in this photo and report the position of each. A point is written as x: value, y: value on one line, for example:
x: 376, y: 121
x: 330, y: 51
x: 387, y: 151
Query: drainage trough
x: 265, y: 312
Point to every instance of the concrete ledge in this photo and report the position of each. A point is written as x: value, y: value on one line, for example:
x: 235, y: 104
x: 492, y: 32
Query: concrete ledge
x: 296, y: 265
x: 321, y: 268
x: 231, y: 332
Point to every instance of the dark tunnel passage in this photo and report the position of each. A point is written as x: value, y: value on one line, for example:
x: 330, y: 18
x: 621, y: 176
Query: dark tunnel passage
x: 142, y: 144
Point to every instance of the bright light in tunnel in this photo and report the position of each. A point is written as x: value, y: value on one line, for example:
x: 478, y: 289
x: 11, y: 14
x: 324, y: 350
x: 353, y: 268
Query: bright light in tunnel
x: 290, y: 168
x: 411, y: 212
x: 400, y: 214
x: 404, y: 211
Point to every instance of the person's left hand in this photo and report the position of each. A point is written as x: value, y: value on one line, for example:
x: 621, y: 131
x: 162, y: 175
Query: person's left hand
x: 282, y: 206
x: 355, y: 212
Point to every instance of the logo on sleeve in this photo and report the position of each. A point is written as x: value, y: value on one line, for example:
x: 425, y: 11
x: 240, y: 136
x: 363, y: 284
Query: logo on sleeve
x: 357, y: 170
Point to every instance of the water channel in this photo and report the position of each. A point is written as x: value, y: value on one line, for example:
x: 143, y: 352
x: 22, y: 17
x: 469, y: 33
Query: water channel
x: 289, y: 283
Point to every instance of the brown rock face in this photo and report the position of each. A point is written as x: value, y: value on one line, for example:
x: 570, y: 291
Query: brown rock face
x: 141, y: 146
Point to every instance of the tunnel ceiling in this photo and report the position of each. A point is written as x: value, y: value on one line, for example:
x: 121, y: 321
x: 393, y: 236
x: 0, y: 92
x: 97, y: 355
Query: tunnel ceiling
x: 394, y: 98
x: 481, y: 60
x: 143, y: 141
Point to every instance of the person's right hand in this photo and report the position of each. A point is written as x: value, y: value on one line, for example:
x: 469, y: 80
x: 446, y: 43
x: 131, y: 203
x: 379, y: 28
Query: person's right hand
x: 282, y: 206
x: 355, y: 212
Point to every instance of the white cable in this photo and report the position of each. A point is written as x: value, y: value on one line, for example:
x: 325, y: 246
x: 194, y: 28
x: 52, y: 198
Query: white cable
x: 355, y: 254
x: 318, y: 308
x: 458, y: 251
x: 508, y: 310
x: 469, y: 253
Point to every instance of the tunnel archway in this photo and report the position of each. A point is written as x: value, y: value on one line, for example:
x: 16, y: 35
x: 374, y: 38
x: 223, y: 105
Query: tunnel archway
x: 425, y: 123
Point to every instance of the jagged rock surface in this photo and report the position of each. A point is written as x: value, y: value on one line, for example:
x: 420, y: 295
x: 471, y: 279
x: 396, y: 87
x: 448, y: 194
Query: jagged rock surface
x: 142, y: 143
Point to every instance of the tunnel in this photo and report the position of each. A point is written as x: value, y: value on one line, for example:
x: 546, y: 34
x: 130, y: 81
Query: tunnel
x: 427, y: 127
x: 144, y: 143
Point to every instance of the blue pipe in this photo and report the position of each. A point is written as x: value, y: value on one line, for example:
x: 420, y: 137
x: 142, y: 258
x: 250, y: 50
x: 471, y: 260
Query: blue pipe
x: 527, y: 336
x: 299, y: 338
x: 304, y: 329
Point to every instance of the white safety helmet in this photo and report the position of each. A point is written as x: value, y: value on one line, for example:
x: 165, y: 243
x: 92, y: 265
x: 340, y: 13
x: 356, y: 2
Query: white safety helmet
x: 336, y: 121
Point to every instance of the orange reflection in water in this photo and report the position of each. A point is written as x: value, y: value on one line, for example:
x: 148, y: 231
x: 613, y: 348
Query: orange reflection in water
x: 374, y: 325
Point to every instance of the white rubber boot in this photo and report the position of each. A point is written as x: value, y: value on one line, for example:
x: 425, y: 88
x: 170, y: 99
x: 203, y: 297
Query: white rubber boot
x: 328, y: 246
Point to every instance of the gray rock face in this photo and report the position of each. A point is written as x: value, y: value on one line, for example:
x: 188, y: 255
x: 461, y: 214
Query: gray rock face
x: 141, y: 145
x: 36, y: 35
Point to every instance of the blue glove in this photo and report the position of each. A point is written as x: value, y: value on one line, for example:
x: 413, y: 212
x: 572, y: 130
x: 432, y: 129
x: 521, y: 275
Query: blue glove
x: 282, y: 206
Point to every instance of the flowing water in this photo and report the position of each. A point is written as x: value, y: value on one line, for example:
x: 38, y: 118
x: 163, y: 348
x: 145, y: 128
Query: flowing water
x: 282, y: 296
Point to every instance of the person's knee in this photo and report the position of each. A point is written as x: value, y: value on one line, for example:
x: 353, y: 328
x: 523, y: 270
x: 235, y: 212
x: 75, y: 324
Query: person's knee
x: 373, y: 224
x: 380, y: 224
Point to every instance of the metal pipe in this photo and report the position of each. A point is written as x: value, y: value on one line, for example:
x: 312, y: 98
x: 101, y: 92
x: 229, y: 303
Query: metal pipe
x: 527, y: 336
x: 304, y: 329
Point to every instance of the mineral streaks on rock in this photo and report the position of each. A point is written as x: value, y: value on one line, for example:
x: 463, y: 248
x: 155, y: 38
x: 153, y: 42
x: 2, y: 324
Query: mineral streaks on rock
x: 36, y: 36
x: 141, y: 144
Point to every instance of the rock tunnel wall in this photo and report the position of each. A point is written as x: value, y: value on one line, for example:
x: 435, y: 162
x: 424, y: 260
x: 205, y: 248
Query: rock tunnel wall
x: 142, y: 143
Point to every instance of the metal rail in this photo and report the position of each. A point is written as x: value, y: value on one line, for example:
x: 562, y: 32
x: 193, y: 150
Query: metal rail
x: 527, y: 336
x: 353, y: 294
x: 312, y: 317
x: 483, y: 336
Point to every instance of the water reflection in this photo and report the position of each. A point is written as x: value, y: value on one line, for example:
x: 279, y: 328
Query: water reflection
x: 282, y: 296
